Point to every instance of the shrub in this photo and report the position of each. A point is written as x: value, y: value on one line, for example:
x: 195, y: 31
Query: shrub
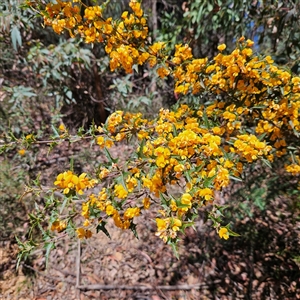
x: 235, y: 110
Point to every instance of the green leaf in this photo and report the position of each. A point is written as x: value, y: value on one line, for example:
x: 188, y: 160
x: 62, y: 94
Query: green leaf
x: 56, y: 134
x: 140, y: 153
x: 48, y: 246
x: 232, y: 233
x: 259, y: 107
x: 163, y: 199
x: 208, y: 181
x: 121, y: 179
x: 101, y: 227
x: 24, y: 250
x: 296, y: 133
x: 72, y: 164
x: 109, y: 157
x: 16, y: 37
x: 174, y: 245
x: 267, y: 163
x: 205, y: 119
x: 209, y: 7
x: 64, y: 204
x: 235, y: 178
x: 188, y: 176
x: 260, y: 203
x: 135, y: 68
x: 132, y: 227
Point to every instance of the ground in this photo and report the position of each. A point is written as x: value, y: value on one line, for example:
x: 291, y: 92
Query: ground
x: 263, y: 263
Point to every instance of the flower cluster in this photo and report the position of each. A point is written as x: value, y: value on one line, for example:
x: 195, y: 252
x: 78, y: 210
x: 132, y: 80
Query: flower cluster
x: 294, y: 168
x: 249, y: 147
x: 124, y: 39
x: 69, y: 182
x: 101, y: 204
x: 174, y: 149
x: 58, y: 225
x: 250, y: 112
x: 167, y: 228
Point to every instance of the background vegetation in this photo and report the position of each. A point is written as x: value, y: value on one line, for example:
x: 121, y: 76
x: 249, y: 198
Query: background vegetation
x: 46, y: 79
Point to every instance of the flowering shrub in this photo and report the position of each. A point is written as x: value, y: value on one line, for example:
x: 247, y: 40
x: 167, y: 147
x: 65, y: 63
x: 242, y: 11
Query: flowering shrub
x: 247, y: 110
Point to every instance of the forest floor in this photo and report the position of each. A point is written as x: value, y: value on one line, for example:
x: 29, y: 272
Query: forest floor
x: 263, y: 263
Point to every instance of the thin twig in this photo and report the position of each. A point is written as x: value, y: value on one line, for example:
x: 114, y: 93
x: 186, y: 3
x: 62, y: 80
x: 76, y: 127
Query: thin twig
x: 67, y: 273
x: 78, y: 268
x: 78, y: 263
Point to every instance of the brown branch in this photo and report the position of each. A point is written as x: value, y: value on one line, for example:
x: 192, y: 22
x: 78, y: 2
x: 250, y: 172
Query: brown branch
x: 78, y: 263
x: 78, y: 268
x: 69, y: 139
x: 97, y: 84
x: 154, y: 18
x: 145, y: 287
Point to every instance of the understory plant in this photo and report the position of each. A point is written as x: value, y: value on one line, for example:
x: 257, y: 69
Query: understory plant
x: 233, y: 111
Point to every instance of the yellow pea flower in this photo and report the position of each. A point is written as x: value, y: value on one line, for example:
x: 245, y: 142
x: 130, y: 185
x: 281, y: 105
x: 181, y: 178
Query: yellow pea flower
x: 223, y: 233
x: 22, y: 152
x: 187, y: 199
x: 109, y: 210
x: 221, y: 47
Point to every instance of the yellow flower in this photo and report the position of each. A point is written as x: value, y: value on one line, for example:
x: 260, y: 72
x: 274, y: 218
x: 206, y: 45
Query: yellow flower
x: 173, y: 205
x: 117, y: 220
x: 29, y: 137
x: 175, y: 224
x: 142, y: 134
x: 101, y: 141
x: 131, y: 183
x: 124, y: 15
x: 147, y: 183
x: 221, y: 47
x: 120, y: 192
x: 179, y: 168
x: 104, y: 173
x: 68, y: 180
x: 250, y: 43
x: 162, y: 224
x: 109, y: 143
x: 58, y: 225
x: 86, y: 223
x: 186, y: 199
x: 294, y: 169
x: 163, y: 72
x: 157, y: 47
x: 110, y: 210
x: 62, y: 127
x: 131, y: 212
x: 22, y: 152
x: 85, y: 210
x: 223, y: 233
x: 146, y: 202
x: 83, y: 233
x: 206, y: 193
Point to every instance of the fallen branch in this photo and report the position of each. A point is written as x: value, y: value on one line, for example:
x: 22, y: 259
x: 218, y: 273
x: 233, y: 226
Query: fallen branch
x: 144, y: 287
x: 141, y: 287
